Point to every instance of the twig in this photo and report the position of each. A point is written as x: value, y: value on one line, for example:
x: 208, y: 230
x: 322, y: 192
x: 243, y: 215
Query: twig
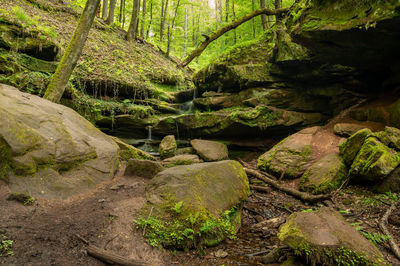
x: 109, y: 241
x: 298, y: 194
x: 82, y: 239
x: 382, y: 225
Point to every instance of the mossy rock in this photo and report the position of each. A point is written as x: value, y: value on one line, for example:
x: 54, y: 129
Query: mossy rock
x: 167, y: 147
x: 291, y: 157
x: 374, y: 161
x: 324, y: 237
x: 182, y: 159
x: 210, y: 151
x: 128, y: 152
x: 325, y: 175
x: 198, y: 204
x: 390, y: 137
x: 350, y: 148
x: 143, y: 168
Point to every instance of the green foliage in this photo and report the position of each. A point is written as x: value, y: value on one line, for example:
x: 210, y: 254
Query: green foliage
x: 374, y: 238
x: 6, y: 246
x: 184, y: 233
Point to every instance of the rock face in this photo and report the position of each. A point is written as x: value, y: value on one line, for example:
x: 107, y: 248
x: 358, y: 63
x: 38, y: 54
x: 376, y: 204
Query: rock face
x: 206, y: 192
x: 143, y: 168
x: 48, y: 150
x: 182, y: 159
x: 167, y: 147
x: 292, y: 156
x: 210, y: 151
x: 325, y: 238
x: 325, y: 175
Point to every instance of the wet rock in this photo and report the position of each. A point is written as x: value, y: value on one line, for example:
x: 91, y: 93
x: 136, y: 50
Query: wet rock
x: 208, y: 191
x: 291, y: 157
x: 167, y: 147
x: 143, y: 168
x: 48, y: 150
x: 183, y: 159
x: 324, y: 236
x: 374, y: 161
x: 127, y: 151
x: 325, y: 175
x: 210, y: 151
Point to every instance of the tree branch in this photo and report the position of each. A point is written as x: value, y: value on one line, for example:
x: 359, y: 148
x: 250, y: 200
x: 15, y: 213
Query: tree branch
x: 382, y: 226
x: 198, y: 51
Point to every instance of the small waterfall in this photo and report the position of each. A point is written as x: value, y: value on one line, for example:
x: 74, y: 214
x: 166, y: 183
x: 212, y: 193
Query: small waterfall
x: 188, y: 107
x: 177, y: 130
x: 149, y: 133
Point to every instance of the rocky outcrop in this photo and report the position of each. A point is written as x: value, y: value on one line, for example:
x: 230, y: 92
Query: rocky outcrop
x: 48, y: 150
x: 199, y: 197
x: 210, y: 151
x: 291, y: 157
x: 167, y: 147
x: 324, y: 237
x: 325, y: 175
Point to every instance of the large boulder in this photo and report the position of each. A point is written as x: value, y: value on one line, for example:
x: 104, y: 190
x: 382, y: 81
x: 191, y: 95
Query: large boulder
x: 210, y: 151
x: 195, y: 204
x: 348, y: 129
x: 349, y: 149
x: 291, y: 157
x: 167, y: 147
x: 374, y: 161
x: 48, y: 150
x: 390, y: 137
x: 390, y: 184
x: 325, y: 175
x: 325, y: 238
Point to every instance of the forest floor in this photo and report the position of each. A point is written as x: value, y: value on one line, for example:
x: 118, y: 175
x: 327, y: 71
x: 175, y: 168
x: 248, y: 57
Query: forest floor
x: 45, y: 233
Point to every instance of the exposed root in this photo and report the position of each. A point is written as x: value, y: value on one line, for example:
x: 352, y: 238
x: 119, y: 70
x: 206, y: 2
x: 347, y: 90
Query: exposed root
x: 382, y: 225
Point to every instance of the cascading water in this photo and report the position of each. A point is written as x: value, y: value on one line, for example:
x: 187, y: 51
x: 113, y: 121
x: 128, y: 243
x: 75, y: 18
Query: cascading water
x: 188, y: 107
x: 149, y: 132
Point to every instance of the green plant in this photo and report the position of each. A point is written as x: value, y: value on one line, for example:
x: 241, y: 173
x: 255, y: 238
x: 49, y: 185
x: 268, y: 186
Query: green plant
x: 178, y: 207
x: 6, y: 246
x: 307, y: 210
x: 375, y: 238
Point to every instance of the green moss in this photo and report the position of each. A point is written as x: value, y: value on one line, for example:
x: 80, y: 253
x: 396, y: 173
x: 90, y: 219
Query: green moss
x: 5, y: 158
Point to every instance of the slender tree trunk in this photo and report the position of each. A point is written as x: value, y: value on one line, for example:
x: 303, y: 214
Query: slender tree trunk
x: 105, y: 9
x: 123, y: 15
x: 209, y: 39
x: 221, y: 12
x: 227, y: 10
x: 263, y: 17
x: 216, y: 14
x: 253, y: 20
x: 171, y: 26
x: 234, y: 18
x: 120, y: 11
x: 193, y: 28
x: 185, y: 30
x: 111, y: 12
x: 163, y: 18
x: 151, y: 20
x: 169, y: 34
x: 143, y: 19
x: 71, y: 56
x: 131, y: 34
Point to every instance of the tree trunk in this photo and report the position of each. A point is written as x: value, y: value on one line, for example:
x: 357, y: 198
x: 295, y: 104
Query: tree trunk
x: 123, y: 15
x: 163, y: 18
x: 252, y: 20
x: 171, y: 26
x: 131, y: 34
x: 110, y: 18
x: 263, y: 17
x: 231, y: 26
x: 105, y: 9
x: 185, y: 30
x: 234, y: 18
x: 71, y: 56
x: 227, y: 10
x: 151, y: 20
x: 143, y: 19
x: 169, y: 34
x: 193, y: 28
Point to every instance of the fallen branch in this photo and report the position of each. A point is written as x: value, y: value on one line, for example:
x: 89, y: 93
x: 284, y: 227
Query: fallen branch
x: 293, y: 192
x: 233, y: 25
x: 108, y: 256
x: 382, y: 226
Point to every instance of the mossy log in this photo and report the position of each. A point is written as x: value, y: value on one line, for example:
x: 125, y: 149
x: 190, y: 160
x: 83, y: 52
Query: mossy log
x: 112, y: 258
x: 293, y: 192
x: 71, y: 56
x: 209, y: 39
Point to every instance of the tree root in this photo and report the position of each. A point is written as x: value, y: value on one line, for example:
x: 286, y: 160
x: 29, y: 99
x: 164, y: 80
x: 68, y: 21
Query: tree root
x: 293, y: 192
x: 382, y: 225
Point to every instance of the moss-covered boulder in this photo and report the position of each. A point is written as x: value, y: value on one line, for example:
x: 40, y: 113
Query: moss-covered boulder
x: 349, y: 149
x: 374, y: 161
x: 291, y: 157
x: 48, y: 150
x: 167, y: 147
x: 182, y: 159
x: 349, y: 129
x: 390, y: 137
x: 325, y: 238
x: 192, y: 205
x: 128, y: 152
x: 210, y: 151
x: 143, y: 168
x: 390, y: 184
x: 325, y: 175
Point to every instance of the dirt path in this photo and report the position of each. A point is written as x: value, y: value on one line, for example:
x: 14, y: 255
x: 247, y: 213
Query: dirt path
x: 44, y: 233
